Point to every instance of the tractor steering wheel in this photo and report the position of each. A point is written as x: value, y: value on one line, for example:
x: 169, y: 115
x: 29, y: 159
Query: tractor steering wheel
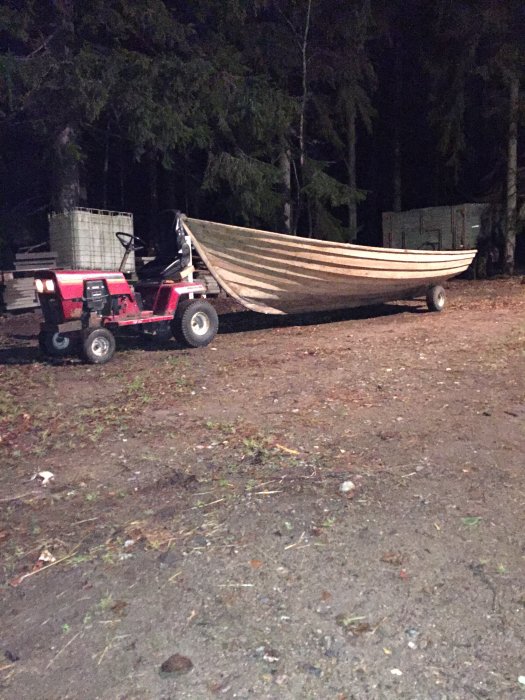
x: 129, y: 241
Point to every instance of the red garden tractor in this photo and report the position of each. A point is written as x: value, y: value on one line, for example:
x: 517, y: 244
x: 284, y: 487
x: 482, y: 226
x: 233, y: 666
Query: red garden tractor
x: 84, y: 309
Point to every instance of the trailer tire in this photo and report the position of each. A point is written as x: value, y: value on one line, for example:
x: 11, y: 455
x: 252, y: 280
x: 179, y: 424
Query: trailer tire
x: 98, y: 346
x: 436, y: 298
x: 54, y: 343
x: 196, y: 323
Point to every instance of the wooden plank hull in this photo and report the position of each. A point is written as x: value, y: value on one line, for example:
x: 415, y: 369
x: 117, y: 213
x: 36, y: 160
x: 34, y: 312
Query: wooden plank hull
x: 278, y: 274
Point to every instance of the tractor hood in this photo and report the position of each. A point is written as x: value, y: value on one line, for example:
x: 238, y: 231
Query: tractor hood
x: 70, y: 283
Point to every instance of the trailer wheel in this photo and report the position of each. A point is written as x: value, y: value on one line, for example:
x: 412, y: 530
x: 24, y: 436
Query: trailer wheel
x: 196, y: 323
x: 55, y: 344
x: 436, y: 298
x: 98, y: 346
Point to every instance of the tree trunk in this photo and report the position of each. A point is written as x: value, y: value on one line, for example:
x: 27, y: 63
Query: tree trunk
x: 512, y: 170
x: 352, y: 177
x: 105, y: 170
x: 285, y: 166
x: 304, y: 98
x: 153, y: 182
x: 66, y: 176
x: 302, y: 115
x: 398, y: 90
x: 170, y: 195
x: 122, y: 175
x: 65, y: 194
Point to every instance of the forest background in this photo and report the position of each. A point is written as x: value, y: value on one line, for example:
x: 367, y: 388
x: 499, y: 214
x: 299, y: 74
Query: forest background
x: 309, y: 117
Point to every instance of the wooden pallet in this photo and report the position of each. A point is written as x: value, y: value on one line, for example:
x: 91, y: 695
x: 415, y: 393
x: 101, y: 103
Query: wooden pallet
x: 29, y: 262
x: 17, y: 286
x: 20, y: 294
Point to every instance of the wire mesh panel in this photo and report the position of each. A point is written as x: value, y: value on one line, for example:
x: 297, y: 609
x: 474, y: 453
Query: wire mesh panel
x: 86, y: 239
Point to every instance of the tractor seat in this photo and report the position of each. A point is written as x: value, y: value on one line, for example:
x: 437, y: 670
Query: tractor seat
x: 160, y: 269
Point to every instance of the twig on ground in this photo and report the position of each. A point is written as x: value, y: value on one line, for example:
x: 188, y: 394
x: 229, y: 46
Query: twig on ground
x: 63, y: 649
x: 104, y: 653
x: 4, y: 668
x: 294, y: 544
x: 17, y: 581
x: 17, y: 498
x: 87, y: 520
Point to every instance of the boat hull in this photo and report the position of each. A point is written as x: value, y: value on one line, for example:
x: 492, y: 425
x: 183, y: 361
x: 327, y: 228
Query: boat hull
x: 275, y: 273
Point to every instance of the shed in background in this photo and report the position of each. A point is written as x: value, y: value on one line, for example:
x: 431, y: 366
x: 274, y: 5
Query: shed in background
x: 435, y: 228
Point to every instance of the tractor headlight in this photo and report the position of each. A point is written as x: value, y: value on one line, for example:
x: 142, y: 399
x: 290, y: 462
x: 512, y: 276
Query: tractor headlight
x: 39, y: 286
x: 49, y: 285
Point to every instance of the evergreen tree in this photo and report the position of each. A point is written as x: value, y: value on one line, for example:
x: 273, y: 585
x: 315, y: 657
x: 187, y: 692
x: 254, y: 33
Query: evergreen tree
x: 478, y: 88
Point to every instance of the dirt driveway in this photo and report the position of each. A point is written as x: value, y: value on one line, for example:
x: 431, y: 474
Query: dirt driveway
x: 324, y: 508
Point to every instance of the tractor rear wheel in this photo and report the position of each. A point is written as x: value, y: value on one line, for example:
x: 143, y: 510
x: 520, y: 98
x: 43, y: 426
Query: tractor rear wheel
x: 54, y: 344
x: 196, y: 323
x: 98, y: 346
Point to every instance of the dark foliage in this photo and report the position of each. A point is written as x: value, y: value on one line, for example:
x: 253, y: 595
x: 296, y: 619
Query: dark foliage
x: 302, y: 116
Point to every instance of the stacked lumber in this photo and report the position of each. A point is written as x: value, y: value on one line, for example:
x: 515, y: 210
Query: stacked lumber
x: 29, y: 262
x: 18, y: 287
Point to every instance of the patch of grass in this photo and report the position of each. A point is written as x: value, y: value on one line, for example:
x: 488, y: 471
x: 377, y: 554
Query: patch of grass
x: 222, y: 427
x: 108, y: 557
x: 138, y: 392
x: 328, y: 522
x: 251, y: 484
x: 105, y: 603
x: 79, y: 559
x: 174, y: 361
x: 258, y: 448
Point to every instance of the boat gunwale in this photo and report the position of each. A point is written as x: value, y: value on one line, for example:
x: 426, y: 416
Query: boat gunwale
x: 344, y: 246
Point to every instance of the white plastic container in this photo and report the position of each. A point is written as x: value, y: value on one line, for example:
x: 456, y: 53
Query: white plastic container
x: 84, y: 239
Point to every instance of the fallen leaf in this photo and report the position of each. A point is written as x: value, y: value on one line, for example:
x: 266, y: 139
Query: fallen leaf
x: 44, y: 477
x: 256, y: 563
x: 287, y: 449
x: 46, y: 556
x: 119, y: 606
x: 178, y: 664
x: 352, y: 623
x: 394, y: 558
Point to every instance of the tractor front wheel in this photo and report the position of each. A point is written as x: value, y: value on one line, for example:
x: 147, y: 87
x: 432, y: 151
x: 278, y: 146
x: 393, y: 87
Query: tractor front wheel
x: 196, y: 323
x: 98, y: 346
x: 54, y: 344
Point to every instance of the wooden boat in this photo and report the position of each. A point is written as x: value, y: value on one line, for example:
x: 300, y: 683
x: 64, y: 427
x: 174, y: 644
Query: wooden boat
x: 275, y: 273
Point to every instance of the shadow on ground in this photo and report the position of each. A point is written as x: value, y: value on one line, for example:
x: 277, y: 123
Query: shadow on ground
x: 242, y: 321
x: 230, y: 323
